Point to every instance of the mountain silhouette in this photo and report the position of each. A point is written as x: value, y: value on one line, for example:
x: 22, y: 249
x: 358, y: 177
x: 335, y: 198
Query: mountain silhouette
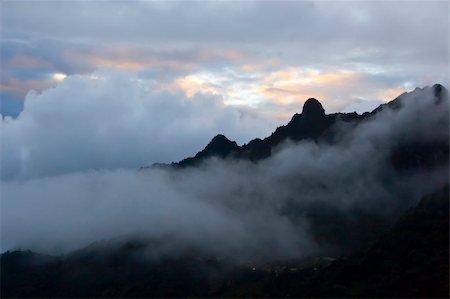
x: 315, y: 125
x: 309, y: 125
x: 220, y: 146
x: 313, y: 109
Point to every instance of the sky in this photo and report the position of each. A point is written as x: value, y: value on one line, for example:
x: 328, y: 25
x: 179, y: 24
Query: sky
x: 269, y: 56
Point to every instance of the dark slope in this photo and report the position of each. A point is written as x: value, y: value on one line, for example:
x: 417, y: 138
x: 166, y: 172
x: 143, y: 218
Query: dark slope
x: 311, y: 124
x: 410, y: 260
x: 220, y: 146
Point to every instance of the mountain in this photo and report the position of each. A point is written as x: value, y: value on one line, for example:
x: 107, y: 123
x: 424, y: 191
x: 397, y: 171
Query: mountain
x: 411, y: 259
x: 311, y: 124
x: 220, y: 146
x: 314, y: 124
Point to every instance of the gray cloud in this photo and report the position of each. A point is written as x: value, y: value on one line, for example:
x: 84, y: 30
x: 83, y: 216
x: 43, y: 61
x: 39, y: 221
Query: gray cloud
x: 370, y: 22
x: 10, y: 104
x: 111, y: 119
x: 373, y: 37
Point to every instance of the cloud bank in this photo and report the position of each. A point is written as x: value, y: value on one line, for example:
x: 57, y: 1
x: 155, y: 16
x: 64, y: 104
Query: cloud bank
x: 275, y: 208
x: 111, y: 119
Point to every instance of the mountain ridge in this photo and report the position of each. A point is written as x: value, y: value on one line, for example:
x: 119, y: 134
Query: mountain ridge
x: 312, y: 124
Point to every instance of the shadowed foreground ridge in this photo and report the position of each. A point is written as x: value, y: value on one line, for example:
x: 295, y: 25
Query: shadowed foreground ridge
x: 410, y: 260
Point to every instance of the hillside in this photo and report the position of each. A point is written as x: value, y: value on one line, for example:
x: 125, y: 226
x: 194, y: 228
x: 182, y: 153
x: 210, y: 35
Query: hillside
x: 409, y: 260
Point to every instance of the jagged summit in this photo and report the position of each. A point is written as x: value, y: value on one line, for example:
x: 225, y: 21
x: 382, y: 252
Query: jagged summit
x: 220, y: 145
x: 313, y: 107
x: 313, y: 125
x: 219, y: 139
x: 440, y: 91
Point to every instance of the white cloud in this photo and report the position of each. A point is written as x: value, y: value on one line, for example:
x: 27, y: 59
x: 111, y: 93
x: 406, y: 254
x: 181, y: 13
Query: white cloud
x: 110, y: 119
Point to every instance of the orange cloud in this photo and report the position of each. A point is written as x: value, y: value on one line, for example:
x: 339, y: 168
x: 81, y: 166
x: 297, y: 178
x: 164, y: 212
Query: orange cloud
x: 258, y: 66
x: 128, y: 59
x: 389, y: 94
x: 137, y: 64
x: 23, y: 61
x: 250, y: 68
x: 22, y: 87
x: 288, y: 74
x: 190, y: 85
x: 215, y: 54
x: 292, y: 85
x: 135, y: 59
x: 286, y: 87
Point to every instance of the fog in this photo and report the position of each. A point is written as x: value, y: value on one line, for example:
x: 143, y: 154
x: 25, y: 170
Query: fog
x: 230, y: 207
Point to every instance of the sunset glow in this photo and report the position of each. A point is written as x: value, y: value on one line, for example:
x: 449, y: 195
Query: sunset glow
x: 59, y: 76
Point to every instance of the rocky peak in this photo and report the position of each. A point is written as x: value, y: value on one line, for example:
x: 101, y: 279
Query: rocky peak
x: 220, y: 146
x: 313, y: 108
x: 219, y: 140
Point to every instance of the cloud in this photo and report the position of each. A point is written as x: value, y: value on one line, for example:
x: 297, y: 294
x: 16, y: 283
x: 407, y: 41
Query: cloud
x: 278, y: 208
x: 21, y: 87
x: 371, y: 23
x: 92, y: 206
x: 10, y: 105
x: 22, y: 61
x: 283, y: 91
x: 378, y: 39
x: 112, y: 119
